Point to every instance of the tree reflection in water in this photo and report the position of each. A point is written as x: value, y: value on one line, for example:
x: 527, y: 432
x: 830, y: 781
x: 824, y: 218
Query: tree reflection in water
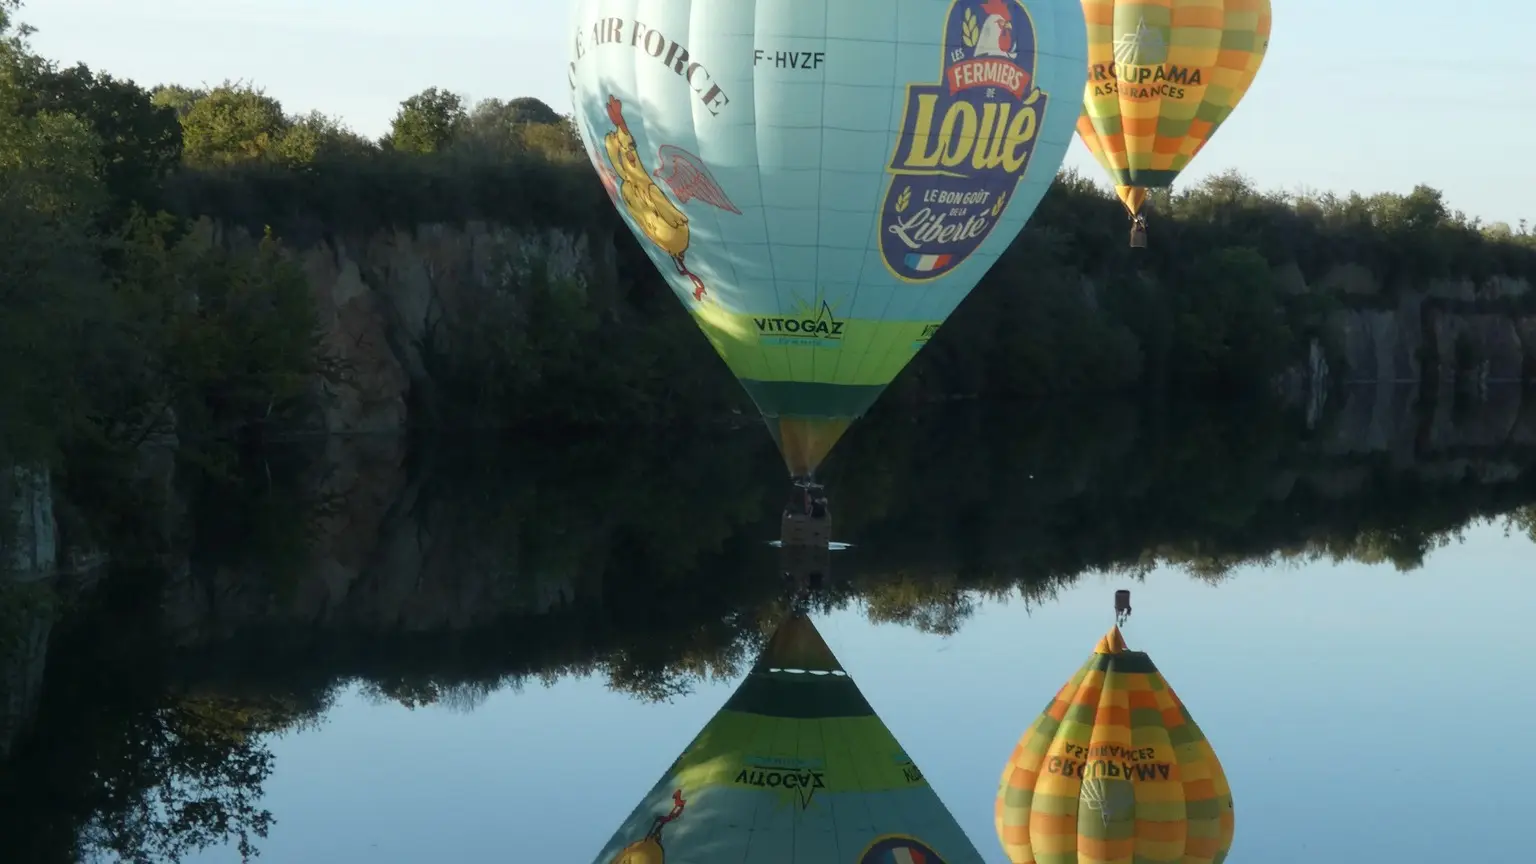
x: 447, y: 573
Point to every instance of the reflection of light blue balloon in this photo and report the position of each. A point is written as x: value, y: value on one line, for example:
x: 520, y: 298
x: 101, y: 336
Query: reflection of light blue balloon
x: 823, y: 181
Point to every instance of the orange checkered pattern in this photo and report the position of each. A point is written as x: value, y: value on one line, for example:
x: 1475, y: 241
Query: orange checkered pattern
x: 1115, y: 771
x: 1163, y: 76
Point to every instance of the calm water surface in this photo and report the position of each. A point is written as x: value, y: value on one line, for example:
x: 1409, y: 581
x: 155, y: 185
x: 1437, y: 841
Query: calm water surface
x: 447, y: 652
x: 1354, y: 708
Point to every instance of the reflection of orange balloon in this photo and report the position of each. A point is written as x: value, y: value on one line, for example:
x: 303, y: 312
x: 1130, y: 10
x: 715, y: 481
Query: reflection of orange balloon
x: 1114, y: 769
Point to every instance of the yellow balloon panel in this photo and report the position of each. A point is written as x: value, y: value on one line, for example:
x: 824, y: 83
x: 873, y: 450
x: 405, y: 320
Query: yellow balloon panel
x: 1114, y: 770
x: 1162, y: 77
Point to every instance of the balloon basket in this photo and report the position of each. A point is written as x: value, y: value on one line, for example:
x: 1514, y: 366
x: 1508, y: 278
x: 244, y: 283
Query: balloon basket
x: 805, y: 541
x: 800, y: 529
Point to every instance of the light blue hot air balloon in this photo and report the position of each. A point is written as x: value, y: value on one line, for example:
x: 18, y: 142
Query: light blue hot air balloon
x: 823, y: 181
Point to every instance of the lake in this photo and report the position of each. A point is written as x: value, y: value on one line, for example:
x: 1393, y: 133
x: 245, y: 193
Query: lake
x: 377, y: 650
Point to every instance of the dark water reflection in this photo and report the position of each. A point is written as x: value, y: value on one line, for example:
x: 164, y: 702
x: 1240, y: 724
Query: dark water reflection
x: 355, y: 637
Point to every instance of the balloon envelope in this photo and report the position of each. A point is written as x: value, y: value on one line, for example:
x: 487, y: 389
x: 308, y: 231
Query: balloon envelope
x: 823, y: 182
x: 1114, y: 769
x: 795, y: 768
x: 1163, y: 75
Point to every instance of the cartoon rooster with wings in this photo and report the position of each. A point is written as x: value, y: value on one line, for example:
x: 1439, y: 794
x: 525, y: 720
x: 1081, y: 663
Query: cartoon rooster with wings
x: 648, y: 849
x: 662, y: 221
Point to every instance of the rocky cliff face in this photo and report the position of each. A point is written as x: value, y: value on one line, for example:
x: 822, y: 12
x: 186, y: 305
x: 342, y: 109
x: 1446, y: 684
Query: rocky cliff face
x: 1452, y: 324
x: 386, y: 299
x: 27, y: 561
x: 37, y: 574
x: 31, y: 550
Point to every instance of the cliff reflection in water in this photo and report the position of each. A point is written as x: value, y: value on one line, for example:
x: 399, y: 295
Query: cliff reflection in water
x: 137, y: 703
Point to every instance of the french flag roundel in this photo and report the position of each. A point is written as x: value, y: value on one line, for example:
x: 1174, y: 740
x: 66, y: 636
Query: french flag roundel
x: 900, y: 850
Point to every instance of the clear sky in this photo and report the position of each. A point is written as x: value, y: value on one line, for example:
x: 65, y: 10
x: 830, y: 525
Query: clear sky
x: 1371, y: 95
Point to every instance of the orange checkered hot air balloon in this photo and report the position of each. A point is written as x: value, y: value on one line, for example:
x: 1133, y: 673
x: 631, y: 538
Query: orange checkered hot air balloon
x: 1163, y: 75
x: 1115, y: 770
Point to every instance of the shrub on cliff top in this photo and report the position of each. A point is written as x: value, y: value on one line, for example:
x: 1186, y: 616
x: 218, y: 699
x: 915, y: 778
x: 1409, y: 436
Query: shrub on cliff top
x: 230, y: 331
x: 1401, y: 239
x: 391, y: 190
x: 51, y: 194
x: 115, y: 319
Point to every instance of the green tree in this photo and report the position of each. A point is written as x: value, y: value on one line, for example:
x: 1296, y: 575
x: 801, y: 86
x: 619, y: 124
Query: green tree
x: 50, y: 287
x: 492, y: 126
x: 315, y: 137
x: 231, y: 328
x: 232, y: 123
x: 177, y: 98
x: 527, y: 109
x: 237, y: 123
x: 140, y: 141
x: 506, y: 129
x: 426, y: 122
x: 551, y: 140
x: 1228, y: 327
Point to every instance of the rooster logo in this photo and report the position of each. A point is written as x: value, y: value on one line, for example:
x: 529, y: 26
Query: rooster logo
x: 996, y: 38
x: 648, y: 849
x: 660, y: 219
